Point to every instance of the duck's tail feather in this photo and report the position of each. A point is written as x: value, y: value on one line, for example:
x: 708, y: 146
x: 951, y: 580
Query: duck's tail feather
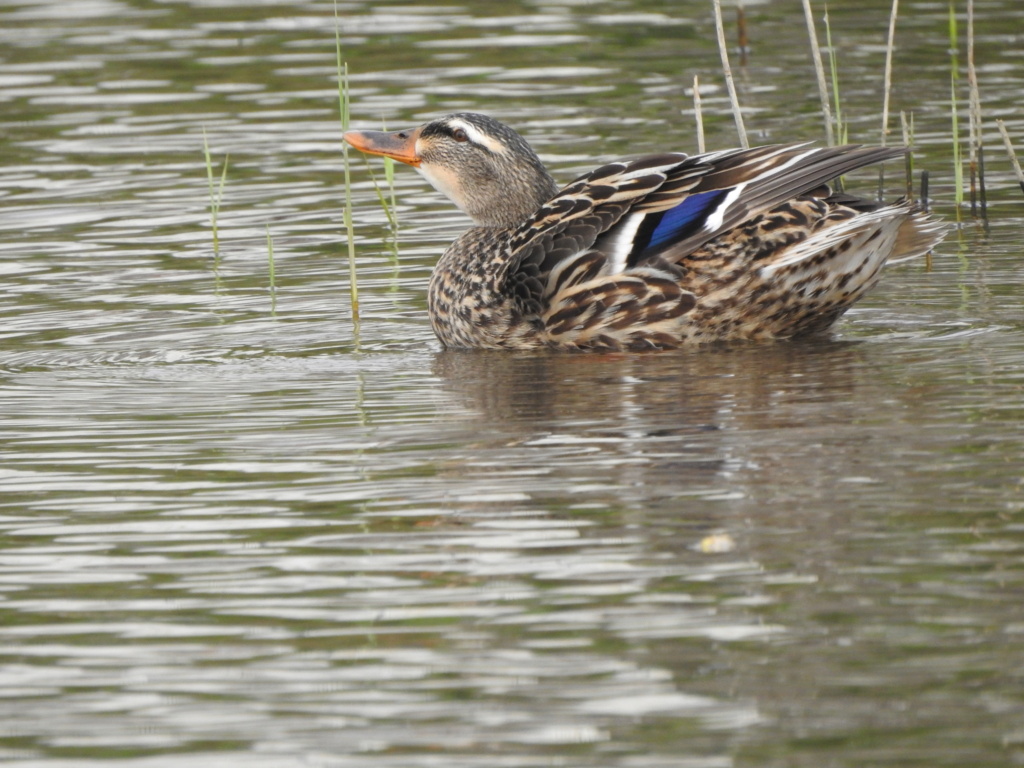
x: 918, y: 235
x: 823, y: 275
x: 863, y: 243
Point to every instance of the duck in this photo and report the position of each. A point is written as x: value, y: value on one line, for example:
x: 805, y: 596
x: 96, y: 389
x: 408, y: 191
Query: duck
x: 658, y: 252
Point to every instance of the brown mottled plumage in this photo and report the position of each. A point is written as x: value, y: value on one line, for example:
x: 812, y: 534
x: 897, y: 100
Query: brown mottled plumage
x: 656, y: 252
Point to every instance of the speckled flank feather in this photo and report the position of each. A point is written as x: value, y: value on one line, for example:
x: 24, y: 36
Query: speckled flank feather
x: 657, y: 252
x: 804, y: 287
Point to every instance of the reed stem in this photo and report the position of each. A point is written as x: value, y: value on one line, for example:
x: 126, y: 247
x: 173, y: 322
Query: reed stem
x: 343, y: 107
x: 699, y: 115
x: 390, y: 209
x: 908, y: 142
x: 737, y: 114
x: 958, y: 168
x: 982, y: 191
x: 380, y: 194
x: 270, y: 263
x: 742, y: 40
x: 977, y: 164
x: 886, y: 92
x: 216, y: 194
x: 834, y: 66
x: 819, y: 69
x: 389, y: 177
x: 890, y: 45
x: 1009, y: 151
x: 841, y: 129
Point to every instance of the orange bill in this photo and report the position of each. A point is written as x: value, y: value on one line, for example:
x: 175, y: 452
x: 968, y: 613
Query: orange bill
x: 400, y: 146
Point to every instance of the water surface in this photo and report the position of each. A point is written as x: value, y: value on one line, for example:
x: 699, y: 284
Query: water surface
x: 234, y: 533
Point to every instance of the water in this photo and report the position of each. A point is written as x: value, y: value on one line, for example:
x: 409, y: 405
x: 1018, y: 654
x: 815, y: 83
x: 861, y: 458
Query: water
x: 234, y: 537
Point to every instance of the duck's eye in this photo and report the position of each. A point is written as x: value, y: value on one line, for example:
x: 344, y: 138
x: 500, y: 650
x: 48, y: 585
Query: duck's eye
x: 460, y: 135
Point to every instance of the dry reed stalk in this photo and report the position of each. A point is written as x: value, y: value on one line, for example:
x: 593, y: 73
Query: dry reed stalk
x: 819, y: 69
x: 887, y: 90
x: 737, y: 115
x: 890, y: 45
x: 954, y: 78
x: 1009, y: 151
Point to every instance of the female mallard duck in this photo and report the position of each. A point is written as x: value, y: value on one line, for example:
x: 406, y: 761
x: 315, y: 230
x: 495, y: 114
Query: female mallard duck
x: 657, y: 252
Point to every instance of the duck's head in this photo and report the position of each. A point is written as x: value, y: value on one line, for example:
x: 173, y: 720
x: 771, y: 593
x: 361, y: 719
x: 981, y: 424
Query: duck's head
x: 483, y: 166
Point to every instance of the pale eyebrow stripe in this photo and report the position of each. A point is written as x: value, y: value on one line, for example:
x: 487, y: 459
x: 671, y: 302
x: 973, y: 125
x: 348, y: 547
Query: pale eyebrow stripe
x: 477, y: 137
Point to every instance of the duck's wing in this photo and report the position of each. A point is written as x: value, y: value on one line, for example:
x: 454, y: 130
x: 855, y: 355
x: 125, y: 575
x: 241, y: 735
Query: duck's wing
x: 582, y: 292
x: 608, y: 251
x: 660, y: 208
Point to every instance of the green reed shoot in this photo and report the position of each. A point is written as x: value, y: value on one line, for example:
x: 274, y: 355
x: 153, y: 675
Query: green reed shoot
x: 270, y: 263
x: 343, y: 109
x: 216, y: 194
x: 389, y: 176
x: 388, y: 208
x: 958, y: 167
x: 977, y: 150
x: 841, y: 128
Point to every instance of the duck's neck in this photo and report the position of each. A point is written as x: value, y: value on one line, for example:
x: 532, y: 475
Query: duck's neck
x: 513, y: 201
